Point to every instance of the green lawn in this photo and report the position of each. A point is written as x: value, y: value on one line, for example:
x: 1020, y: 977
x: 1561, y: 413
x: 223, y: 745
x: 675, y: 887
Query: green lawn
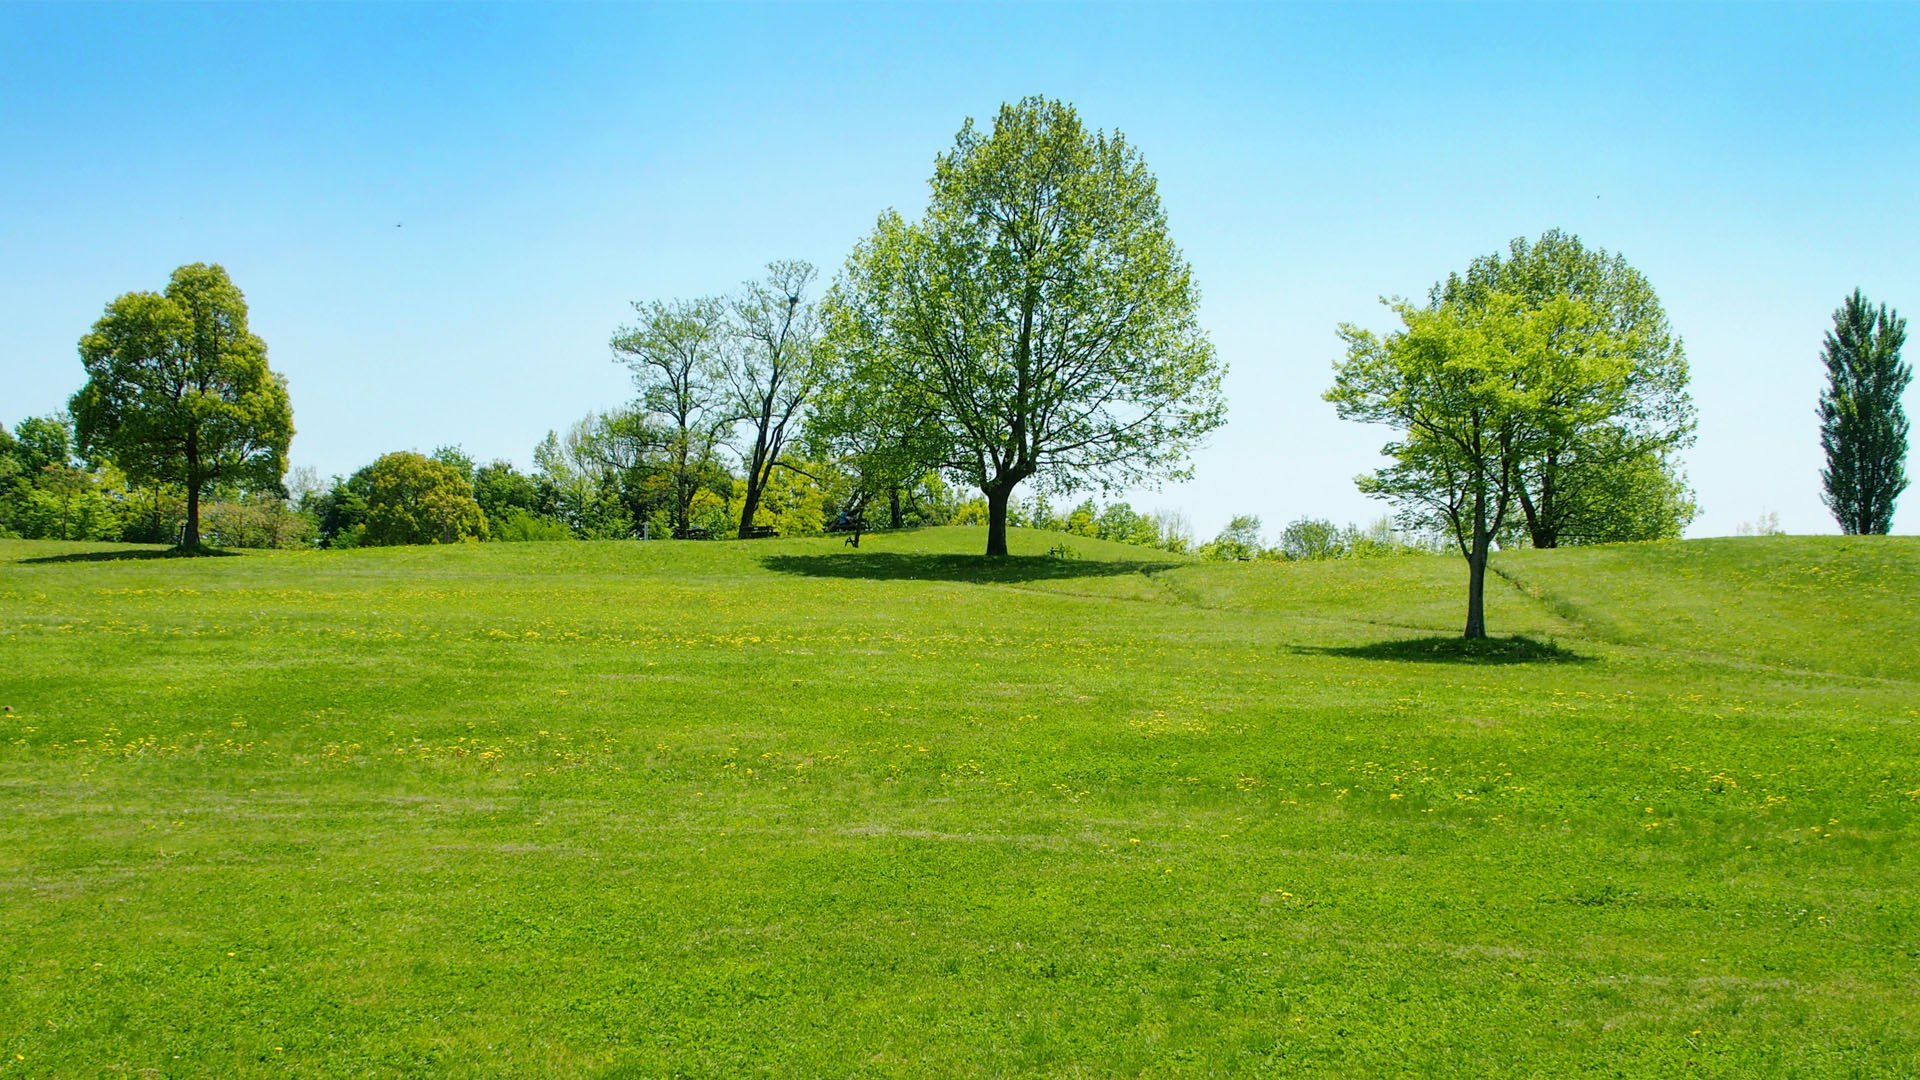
x: 788, y: 809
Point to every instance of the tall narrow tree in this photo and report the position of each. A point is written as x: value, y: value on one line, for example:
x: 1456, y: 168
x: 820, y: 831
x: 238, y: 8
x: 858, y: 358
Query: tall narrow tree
x: 774, y: 371
x: 1863, y: 426
x: 178, y: 389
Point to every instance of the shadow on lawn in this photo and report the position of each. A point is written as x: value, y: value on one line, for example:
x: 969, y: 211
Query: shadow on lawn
x: 892, y: 566
x: 124, y: 556
x: 1453, y: 650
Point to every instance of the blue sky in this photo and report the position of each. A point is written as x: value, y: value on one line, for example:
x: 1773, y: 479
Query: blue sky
x: 440, y: 214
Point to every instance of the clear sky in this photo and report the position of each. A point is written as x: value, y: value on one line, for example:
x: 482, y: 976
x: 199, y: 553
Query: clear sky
x: 440, y: 214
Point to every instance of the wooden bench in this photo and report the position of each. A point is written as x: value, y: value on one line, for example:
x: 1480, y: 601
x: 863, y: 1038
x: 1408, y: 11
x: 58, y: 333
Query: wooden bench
x: 758, y: 532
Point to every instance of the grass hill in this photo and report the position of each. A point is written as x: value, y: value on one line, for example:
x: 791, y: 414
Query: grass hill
x: 785, y: 808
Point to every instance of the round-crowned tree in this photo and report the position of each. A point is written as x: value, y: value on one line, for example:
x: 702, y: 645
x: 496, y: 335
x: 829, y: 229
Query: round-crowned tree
x: 178, y: 390
x: 413, y: 499
x: 1037, y: 323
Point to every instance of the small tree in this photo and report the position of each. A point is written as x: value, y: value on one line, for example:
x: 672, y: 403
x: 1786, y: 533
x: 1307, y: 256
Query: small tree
x: 1312, y: 539
x: 1863, y: 427
x: 1038, y: 315
x: 179, y: 389
x: 1238, y: 542
x: 412, y: 499
x: 1477, y: 387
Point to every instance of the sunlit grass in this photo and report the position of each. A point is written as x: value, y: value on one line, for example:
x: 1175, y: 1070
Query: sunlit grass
x: 785, y: 808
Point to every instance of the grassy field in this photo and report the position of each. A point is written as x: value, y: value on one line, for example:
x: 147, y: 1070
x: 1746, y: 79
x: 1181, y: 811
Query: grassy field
x: 787, y: 809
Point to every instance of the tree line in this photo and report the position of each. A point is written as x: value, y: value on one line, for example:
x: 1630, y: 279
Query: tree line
x: 1035, y: 329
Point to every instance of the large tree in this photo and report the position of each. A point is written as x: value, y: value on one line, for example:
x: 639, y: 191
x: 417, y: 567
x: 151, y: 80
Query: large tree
x: 677, y: 352
x: 1613, y: 478
x: 178, y: 389
x: 1863, y: 426
x: 1038, y: 314
x: 773, y: 372
x: 1477, y: 389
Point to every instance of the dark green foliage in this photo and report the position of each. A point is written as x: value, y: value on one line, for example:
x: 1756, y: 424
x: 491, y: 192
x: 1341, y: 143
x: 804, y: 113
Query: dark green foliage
x: 340, y: 512
x: 1863, y: 427
x: 501, y: 490
x: 47, y: 495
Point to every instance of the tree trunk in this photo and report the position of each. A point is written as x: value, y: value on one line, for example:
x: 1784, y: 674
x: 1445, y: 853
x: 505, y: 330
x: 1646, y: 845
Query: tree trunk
x: 191, y: 541
x: 749, y: 508
x: 894, y: 520
x: 997, y: 498
x: 1538, y: 531
x: 1477, y: 573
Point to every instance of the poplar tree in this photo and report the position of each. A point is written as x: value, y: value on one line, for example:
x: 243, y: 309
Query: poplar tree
x: 1863, y: 427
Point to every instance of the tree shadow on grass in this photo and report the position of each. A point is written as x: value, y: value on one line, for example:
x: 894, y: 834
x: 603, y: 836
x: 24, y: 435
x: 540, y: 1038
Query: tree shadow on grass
x: 894, y: 566
x: 125, y: 556
x: 1453, y: 650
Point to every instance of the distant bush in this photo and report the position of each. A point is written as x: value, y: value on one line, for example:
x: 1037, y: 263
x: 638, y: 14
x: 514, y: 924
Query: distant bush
x: 256, y: 523
x: 519, y: 526
x: 1238, y: 542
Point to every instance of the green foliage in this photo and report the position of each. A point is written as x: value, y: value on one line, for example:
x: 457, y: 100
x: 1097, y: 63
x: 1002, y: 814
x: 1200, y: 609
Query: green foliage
x: 731, y: 809
x: 178, y: 390
x: 501, y: 489
x: 458, y: 460
x: 412, y: 499
x: 67, y: 503
x: 774, y: 372
x: 1863, y: 426
x: 580, y: 477
x: 340, y: 513
x: 1038, y: 319
x: 46, y: 495
x: 517, y: 525
x: 1598, y: 479
x: 1238, y: 542
x: 256, y: 522
x: 1481, y: 383
x: 792, y: 504
x: 1309, y: 539
x: 677, y: 352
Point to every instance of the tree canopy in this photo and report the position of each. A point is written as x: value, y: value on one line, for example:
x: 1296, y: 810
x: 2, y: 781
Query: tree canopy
x: 1611, y: 477
x: 413, y: 499
x: 1038, y: 315
x: 178, y: 389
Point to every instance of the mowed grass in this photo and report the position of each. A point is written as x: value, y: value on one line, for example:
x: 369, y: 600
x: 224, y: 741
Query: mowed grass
x: 789, y: 809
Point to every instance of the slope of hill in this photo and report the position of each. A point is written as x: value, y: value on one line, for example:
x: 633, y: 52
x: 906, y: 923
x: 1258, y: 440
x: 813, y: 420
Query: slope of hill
x: 787, y: 808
